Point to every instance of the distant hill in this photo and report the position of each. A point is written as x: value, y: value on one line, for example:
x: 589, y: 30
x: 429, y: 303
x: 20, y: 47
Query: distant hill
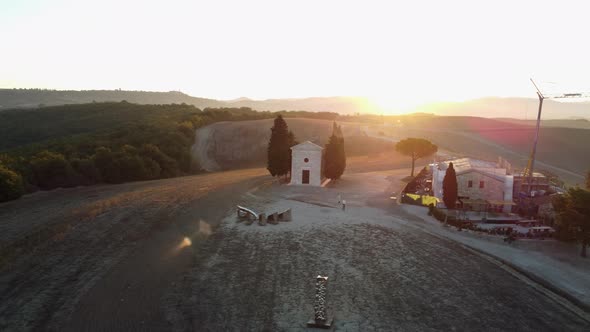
x: 516, y: 108
x: 562, y: 151
x: 29, y: 98
x: 492, y: 107
x: 556, y: 123
x: 342, y: 105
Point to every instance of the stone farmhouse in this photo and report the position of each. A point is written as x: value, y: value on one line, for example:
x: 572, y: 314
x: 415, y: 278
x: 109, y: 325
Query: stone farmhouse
x: 479, y: 182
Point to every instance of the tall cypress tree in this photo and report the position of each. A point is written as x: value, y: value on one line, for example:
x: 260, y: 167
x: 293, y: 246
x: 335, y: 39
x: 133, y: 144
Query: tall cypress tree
x: 450, y: 187
x: 335, y: 156
x: 291, y: 141
x: 279, y: 148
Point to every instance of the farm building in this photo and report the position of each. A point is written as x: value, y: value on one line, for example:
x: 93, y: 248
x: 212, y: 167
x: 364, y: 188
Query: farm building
x: 478, y: 181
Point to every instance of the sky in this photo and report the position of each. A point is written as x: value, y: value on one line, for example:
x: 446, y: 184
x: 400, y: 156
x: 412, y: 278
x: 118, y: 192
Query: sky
x: 398, y: 53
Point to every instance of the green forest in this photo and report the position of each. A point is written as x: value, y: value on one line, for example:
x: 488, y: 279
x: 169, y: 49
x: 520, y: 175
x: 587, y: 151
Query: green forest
x: 84, y: 144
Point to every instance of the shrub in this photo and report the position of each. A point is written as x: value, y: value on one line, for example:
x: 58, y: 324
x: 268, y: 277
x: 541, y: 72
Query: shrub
x: 168, y: 166
x: 89, y: 173
x: 152, y: 169
x: 52, y: 170
x: 11, y: 185
x: 103, y: 158
x: 131, y: 167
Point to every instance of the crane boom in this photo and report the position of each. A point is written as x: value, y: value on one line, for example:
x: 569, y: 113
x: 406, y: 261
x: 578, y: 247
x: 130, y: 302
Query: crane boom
x: 528, y: 172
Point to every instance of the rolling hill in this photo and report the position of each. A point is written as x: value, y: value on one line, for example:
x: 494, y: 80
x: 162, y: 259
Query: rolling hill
x: 492, y: 107
x: 561, y: 151
x: 516, y: 108
x: 30, y: 98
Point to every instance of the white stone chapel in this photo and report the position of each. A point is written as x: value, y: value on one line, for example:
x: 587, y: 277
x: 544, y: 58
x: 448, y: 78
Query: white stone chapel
x: 306, y: 164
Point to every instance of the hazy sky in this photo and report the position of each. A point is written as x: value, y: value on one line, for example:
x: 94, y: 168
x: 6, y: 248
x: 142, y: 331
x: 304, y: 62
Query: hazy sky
x: 399, y: 53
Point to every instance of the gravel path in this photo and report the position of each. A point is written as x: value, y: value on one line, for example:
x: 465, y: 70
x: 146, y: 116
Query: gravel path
x: 201, y: 150
x: 383, y: 276
x: 380, y: 279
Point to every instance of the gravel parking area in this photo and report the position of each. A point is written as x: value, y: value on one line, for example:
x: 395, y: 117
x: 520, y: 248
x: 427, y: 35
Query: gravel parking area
x: 383, y: 276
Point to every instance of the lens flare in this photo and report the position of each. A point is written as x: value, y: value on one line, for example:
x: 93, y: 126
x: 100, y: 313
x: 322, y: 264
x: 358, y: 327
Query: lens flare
x: 186, y: 242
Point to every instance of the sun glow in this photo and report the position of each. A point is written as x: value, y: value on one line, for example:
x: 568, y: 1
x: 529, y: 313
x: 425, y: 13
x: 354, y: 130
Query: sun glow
x: 390, y: 105
x: 396, y: 53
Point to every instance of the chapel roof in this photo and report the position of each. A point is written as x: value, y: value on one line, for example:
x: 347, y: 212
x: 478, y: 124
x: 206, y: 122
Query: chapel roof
x: 307, y: 146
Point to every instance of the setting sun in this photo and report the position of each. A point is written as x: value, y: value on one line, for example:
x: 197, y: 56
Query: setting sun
x: 399, y: 54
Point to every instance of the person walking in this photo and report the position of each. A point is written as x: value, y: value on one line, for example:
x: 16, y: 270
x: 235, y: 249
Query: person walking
x: 343, y: 205
x: 339, y: 198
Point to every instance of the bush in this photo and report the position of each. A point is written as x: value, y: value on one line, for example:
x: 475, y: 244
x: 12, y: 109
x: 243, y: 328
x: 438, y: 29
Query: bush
x: 168, y: 166
x: 130, y: 168
x: 103, y: 158
x: 52, y: 170
x: 152, y: 169
x: 89, y: 173
x: 438, y: 214
x: 11, y: 185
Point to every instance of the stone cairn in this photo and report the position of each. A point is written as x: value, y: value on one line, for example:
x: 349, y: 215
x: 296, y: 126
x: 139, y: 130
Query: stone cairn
x: 320, y: 318
x: 320, y: 299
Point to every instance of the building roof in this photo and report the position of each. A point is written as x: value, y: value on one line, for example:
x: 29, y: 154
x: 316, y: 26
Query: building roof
x: 499, y: 177
x: 467, y: 165
x: 307, y: 146
x: 535, y: 175
x: 464, y: 164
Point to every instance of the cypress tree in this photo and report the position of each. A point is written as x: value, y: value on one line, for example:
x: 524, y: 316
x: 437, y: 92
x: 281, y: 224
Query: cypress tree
x: 335, y: 156
x: 450, y: 187
x: 279, y: 148
x: 291, y: 142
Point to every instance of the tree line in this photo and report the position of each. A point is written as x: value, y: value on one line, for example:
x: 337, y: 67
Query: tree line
x: 86, y: 144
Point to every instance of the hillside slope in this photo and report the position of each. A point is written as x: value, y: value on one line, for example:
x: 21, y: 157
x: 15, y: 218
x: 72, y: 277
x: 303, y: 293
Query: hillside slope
x: 561, y: 151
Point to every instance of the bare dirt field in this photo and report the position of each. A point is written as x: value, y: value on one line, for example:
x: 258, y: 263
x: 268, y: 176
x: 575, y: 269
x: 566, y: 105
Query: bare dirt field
x: 169, y: 255
x: 96, y: 235
x: 384, y: 275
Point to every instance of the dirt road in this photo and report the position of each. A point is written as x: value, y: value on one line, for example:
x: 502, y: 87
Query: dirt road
x: 201, y: 149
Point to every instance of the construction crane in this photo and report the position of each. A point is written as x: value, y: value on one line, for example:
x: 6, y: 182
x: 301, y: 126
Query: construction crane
x: 528, y: 172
